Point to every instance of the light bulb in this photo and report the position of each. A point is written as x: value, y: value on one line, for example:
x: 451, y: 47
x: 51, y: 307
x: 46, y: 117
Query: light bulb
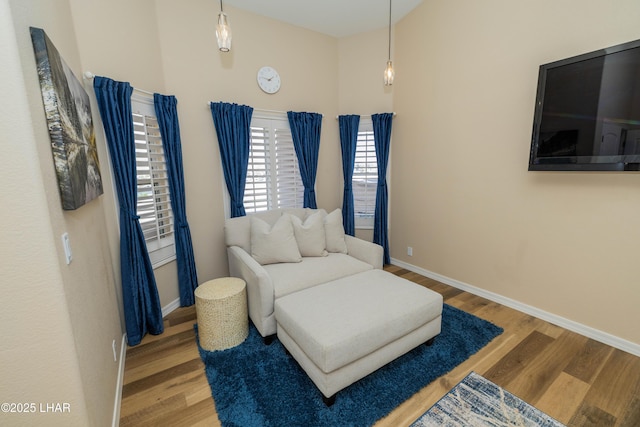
x: 223, y: 33
x: 389, y: 74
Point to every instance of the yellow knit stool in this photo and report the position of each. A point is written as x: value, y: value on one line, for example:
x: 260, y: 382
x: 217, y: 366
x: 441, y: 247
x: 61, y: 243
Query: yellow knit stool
x: 221, y: 309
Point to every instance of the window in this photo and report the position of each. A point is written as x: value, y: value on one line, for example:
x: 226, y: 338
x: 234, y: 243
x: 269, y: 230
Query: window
x: 273, y: 176
x: 154, y: 201
x: 365, y: 176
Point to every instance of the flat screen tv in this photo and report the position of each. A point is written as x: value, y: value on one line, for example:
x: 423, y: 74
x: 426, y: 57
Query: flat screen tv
x: 587, y: 112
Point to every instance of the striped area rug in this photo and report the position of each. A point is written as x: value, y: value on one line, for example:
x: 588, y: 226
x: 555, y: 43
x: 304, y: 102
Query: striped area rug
x: 477, y: 402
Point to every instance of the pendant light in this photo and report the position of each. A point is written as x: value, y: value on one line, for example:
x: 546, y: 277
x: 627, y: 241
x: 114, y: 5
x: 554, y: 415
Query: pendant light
x: 389, y: 74
x: 223, y: 31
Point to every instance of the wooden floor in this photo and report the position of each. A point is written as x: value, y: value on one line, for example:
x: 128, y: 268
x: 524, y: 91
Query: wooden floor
x: 579, y: 381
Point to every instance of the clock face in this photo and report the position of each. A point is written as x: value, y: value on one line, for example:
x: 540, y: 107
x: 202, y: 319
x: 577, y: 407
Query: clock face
x: 268, y: 80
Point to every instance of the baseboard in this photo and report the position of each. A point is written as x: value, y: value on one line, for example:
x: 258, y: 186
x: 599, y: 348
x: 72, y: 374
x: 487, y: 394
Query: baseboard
x: 576, y: 327
x: 118, y: 400
x: 170, y: 307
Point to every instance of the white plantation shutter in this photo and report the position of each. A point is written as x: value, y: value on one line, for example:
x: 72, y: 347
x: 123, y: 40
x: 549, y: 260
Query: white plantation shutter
x: 154, y: 200
x: 365, y: 175
x: 273, y: 177
x: 289, y: 187
x: 258, y: 185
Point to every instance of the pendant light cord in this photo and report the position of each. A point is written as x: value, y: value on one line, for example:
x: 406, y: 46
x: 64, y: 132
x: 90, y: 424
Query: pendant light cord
x: 389, y: 29
x: 221, y: 10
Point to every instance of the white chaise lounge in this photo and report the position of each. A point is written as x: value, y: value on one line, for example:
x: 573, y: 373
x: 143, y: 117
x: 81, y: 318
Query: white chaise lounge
x: 337, y: 312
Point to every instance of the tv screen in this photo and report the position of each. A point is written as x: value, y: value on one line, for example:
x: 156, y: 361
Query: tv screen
x: 587, y: 112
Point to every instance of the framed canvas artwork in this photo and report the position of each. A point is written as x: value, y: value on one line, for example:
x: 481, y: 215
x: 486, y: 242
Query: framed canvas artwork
x: 68, y: 113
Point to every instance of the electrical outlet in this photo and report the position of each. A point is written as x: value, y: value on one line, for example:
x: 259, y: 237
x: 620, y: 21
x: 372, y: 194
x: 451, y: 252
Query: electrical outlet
x: 409, y: 251
x: 115, y: 353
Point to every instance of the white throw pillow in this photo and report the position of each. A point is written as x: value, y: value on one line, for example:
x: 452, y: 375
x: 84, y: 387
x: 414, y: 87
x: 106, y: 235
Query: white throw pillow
x: 271, y: 245
x: 334, y: 232
x: 310, y: 234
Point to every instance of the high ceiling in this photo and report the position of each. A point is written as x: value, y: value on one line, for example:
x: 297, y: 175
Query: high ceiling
x: 337, y: 18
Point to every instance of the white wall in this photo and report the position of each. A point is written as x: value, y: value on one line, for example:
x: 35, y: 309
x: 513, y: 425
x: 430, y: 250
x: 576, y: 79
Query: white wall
x: 565, y: 243
x: 59, y: 321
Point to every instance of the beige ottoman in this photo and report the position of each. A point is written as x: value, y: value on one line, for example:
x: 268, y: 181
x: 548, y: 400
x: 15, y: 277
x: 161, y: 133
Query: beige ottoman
x: 221, y: 309
x: 343, y: 330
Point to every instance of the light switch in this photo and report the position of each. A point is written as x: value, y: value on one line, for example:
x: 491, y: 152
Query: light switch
x: 67, y: 248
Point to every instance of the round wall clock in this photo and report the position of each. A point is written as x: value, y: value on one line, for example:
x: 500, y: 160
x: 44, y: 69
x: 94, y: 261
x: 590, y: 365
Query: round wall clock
x: 268, y: 79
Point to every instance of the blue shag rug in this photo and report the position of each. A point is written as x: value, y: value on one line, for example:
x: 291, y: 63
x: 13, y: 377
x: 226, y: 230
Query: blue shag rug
x: 255, y: 384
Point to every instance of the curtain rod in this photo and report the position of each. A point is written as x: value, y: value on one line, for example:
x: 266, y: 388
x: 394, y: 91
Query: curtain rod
x: 366, y: 115
x: 259, y: 110
x: 89, y: 76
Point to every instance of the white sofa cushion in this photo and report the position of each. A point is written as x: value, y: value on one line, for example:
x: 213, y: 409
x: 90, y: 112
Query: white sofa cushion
x: 334, y: 232
x: 288, y: 278
x: 310, y: 234
x: 275, y: 244
x: 237, y: 231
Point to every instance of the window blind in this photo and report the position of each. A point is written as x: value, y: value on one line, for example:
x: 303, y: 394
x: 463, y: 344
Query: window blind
x: 365, y: 175
x: 258, y: 185
x: 154, y: 199
x: 273, y: 176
